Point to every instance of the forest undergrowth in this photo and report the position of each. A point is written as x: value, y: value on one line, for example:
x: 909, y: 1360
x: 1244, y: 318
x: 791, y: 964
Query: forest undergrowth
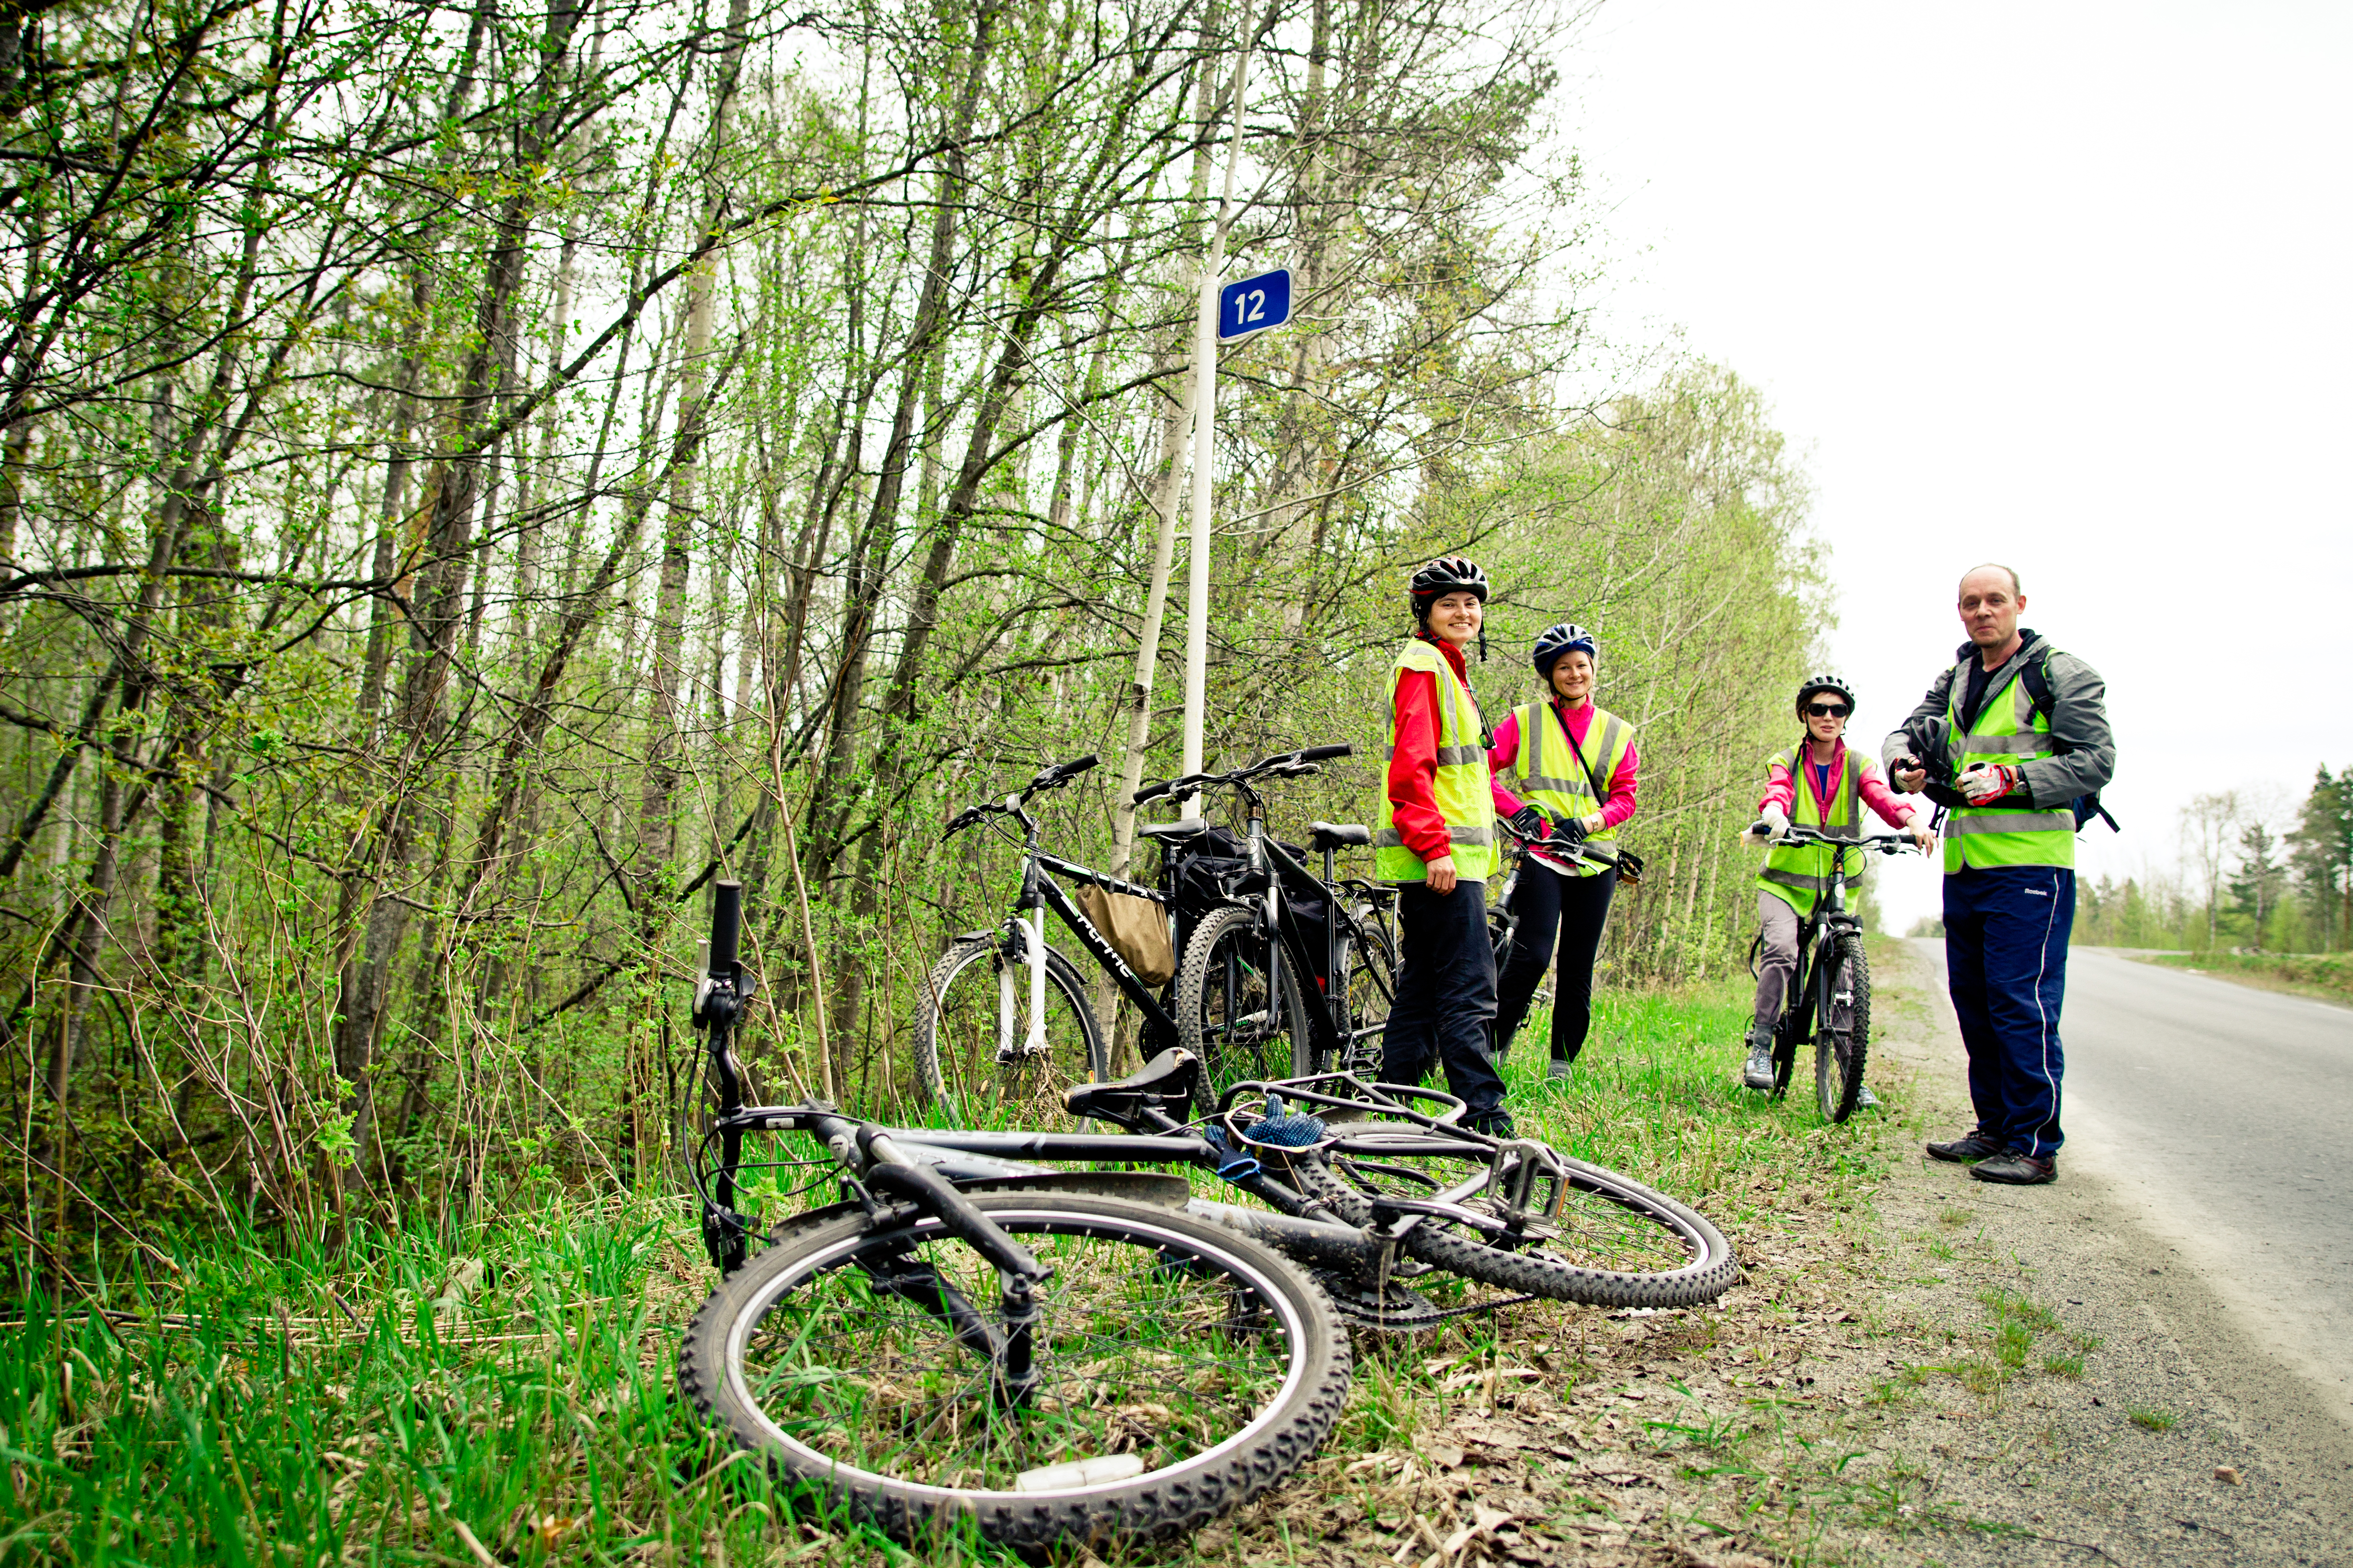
x: 503, y: 1392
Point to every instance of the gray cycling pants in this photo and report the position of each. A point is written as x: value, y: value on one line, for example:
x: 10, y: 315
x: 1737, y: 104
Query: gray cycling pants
x: 1777, y: 960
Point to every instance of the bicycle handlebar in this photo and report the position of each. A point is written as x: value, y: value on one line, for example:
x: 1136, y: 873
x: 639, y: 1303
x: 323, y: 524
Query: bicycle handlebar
x: 1053, y: 775
x: 1553, y: 843
x: 1288, y: 763
x: 1883, y: 843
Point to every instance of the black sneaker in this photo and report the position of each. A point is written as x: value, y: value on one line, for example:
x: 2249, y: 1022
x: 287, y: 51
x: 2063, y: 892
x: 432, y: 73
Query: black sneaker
x: 1495, y: 1124
x: 2016, y: 1170
x: 1969, y: 1146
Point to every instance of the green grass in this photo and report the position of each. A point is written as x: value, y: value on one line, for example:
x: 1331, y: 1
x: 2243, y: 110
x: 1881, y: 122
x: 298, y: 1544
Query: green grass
x: 1656, y: 1094
x: 265, y: 1400
x: 299, y: 1405
x: 2154, y: 1420
x: 2327, y: 975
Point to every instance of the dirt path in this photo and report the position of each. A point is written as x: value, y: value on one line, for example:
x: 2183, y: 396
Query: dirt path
x: 1918, y: 1369
x: 2120, y: 1462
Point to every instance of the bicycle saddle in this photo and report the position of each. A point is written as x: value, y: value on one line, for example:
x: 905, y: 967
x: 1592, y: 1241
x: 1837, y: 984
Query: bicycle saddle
x: 1183, y: 827
x: 1338, y: 835
x: 1164, y: 1083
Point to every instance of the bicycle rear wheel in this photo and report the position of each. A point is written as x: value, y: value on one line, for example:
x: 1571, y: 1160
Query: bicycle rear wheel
x: 1615, y: 1242
x: 1238, y: 1003
x: 1841, y: 1028
x: 973, y: 1055
x: 1181, y: 1370
x: 1371, y: 991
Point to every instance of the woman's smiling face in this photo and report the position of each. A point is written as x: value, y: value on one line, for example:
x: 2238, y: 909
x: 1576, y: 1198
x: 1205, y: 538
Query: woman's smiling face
x: 1456, y: 616
x: 1572, y: 677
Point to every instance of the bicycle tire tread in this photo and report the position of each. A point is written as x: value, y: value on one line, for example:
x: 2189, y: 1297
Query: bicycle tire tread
x: 1850, y: 951
x: 1147, y: 1508
x: 930, y: 1078
x: 1702, y: 1280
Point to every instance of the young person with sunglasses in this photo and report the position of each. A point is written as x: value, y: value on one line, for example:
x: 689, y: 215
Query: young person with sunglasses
x: 1820, y: 783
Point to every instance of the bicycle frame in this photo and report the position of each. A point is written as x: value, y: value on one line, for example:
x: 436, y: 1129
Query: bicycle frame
x: 1024, y: 932
x: 1039, y: 893
x: 1827, y: 920
x: 966, y: 1160
x: 1270, y: 860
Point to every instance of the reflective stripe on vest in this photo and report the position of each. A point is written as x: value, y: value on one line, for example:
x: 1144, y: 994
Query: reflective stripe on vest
x: 1460, y: 784
x: 1798, y: 874
x: 1545, y: 772
x: 2006, y: 731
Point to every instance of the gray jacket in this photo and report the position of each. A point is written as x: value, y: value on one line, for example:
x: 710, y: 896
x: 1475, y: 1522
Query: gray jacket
x: 2079, y: 723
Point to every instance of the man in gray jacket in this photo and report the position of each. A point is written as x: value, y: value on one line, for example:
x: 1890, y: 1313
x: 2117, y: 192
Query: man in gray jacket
x: 2014, y: 740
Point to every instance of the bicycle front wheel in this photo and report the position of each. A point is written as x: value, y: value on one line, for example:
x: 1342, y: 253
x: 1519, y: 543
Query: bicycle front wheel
x: 1613, y: 1243
x: 1238, y: 1003
x: 1175, y: 1369
x: 1841, y: 1028
x: 976, y: 1053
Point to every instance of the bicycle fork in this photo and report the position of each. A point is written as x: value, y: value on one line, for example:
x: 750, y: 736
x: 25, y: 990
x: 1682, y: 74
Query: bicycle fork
x: 1033, y: 938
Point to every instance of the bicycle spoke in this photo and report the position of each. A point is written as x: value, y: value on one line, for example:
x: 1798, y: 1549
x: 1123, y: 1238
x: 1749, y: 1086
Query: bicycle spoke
x: 1136, y: 1354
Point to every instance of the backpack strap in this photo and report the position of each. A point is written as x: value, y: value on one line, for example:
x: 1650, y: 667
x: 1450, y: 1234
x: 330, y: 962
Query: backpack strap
x: 2035, y: 677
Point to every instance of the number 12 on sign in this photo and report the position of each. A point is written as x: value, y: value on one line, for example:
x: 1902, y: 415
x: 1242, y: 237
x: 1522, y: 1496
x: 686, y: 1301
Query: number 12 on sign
x: 1253, y: 305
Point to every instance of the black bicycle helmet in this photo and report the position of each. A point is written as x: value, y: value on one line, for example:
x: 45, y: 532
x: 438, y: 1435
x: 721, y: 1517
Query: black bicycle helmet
x: 1814, y: 683
x: 1447, y: 575
x: 1559, y: 638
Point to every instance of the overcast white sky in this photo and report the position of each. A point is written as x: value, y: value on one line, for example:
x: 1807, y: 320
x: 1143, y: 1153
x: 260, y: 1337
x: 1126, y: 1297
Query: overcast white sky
x: 2064, y: 285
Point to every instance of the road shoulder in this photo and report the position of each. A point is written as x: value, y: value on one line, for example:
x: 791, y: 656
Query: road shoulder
x: 2139, y: 1421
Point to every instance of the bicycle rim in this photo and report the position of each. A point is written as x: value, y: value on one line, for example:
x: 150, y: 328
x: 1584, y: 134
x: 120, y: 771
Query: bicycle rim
x: 1842, y: 1033
x: 1371, y: 991
x: 1179, y: 1370
x: 975, y: 1009
x: 1238, y: 1005
x: 1614, y: 1242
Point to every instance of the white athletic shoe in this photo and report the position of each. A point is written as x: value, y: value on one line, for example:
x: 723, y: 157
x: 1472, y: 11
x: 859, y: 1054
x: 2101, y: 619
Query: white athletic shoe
x: 1866, y: 1100
x: 1758, y: 1073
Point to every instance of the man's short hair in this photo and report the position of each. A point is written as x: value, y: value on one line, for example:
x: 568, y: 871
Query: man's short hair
x: 2017, y: 589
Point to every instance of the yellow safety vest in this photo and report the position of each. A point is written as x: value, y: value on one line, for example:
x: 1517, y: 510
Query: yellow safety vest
x: 1799, y: 874
x: 1544, y: 771
x: 2007, y: 729
x: 1464, y: 797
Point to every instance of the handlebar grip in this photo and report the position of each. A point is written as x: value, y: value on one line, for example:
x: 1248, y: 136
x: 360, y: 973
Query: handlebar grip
x: 1150, y: 793
x: 1073, y: 769
x: 1760, y: 829
x: 726, y: 927
x: 1321, y: 753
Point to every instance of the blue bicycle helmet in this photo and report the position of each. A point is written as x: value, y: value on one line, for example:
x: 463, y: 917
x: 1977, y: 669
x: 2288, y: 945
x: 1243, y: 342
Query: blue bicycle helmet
x: 1558, y: 639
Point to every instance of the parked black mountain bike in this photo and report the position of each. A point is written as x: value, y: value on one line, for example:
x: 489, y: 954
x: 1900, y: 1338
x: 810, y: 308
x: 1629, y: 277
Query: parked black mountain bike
x: 1004, y: 1018
x: 1287, y: 973
x: 1827, y: 1002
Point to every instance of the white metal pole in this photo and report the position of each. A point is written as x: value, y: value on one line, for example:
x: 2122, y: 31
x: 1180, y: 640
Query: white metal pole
x: 1205, y: 425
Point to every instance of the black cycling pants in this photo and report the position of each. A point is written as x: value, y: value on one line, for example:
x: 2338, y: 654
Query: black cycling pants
x: 1578, y: 908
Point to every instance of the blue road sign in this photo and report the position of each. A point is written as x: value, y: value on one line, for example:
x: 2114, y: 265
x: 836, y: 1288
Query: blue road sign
x: 1253, y: 305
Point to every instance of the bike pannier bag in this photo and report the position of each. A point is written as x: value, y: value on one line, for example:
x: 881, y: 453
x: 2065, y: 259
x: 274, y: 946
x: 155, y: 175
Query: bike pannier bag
x: 1137, y: 929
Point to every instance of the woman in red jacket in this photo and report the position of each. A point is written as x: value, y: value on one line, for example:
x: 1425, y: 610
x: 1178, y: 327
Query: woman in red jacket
x: 1437, y: 842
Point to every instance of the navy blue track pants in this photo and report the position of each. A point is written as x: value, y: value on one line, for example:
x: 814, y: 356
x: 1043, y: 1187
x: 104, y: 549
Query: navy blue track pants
x: 2006, y: 929
x: 1445, y: 996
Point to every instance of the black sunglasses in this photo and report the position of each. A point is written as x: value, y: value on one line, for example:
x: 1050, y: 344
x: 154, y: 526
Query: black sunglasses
x: 1826, y: 710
